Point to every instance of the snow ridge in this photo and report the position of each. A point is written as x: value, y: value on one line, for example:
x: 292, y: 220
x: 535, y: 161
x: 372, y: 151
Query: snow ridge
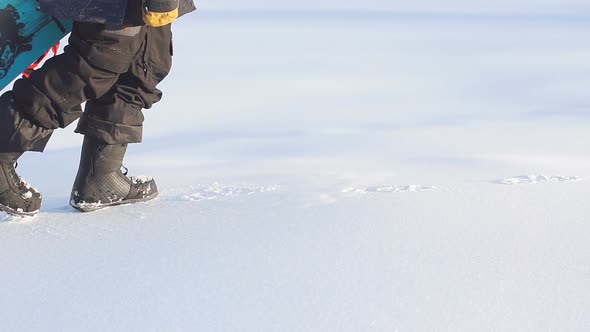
x: 389, y: 189
x: 533, y: 179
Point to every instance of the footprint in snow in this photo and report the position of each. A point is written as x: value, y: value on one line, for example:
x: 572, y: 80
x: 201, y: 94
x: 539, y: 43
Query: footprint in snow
x: 389, y: 189
x: 532, y: 179
x: 218, y: 191
x: 8, y: 218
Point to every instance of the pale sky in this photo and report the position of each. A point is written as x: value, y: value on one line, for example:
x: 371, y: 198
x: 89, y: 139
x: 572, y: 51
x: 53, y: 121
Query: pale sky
x: 560, y: 7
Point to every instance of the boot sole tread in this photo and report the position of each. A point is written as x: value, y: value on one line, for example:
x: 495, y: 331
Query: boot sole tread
x: 93, y: 207
x: 13, y: 212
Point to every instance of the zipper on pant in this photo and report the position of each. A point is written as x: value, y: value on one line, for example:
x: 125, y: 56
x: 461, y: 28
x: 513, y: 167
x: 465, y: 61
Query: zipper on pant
x: 146, y: 50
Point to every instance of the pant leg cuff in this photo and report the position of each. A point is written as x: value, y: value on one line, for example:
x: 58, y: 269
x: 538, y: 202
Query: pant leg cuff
x: 109, y: 132
x: 18, y: 134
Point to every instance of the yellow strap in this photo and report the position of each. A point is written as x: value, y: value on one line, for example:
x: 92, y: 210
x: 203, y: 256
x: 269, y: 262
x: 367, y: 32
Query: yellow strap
x: 160, y: 19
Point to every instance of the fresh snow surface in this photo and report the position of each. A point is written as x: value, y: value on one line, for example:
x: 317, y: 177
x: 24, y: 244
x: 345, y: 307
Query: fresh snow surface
x: 331, y: 171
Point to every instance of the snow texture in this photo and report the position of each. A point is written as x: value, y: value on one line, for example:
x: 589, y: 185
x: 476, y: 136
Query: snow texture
x: 333, y: 170
x: 218, y: 191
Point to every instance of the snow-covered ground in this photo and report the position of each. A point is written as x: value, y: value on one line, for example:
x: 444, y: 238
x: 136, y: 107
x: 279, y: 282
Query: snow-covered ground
x: 324, y: 170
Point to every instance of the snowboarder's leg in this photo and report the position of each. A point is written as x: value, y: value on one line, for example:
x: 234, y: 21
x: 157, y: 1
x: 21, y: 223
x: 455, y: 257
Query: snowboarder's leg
x: 50, y: 98
x: 115, y: 119
x: 17, y: 197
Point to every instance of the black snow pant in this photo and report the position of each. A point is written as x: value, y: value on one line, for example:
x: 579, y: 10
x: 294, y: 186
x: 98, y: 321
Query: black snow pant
x: 114, y: 70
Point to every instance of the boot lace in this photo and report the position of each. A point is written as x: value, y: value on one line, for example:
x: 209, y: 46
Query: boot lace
x: 18, y: 181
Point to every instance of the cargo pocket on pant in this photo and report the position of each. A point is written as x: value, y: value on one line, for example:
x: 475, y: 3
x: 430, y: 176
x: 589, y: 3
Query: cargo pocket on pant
x: 108, y: 59
x: 108, y: 48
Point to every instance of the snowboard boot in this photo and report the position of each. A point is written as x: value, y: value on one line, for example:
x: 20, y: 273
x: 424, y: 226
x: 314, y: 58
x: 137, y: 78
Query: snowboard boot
x: 16, y: 196
x: 100, y: 181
